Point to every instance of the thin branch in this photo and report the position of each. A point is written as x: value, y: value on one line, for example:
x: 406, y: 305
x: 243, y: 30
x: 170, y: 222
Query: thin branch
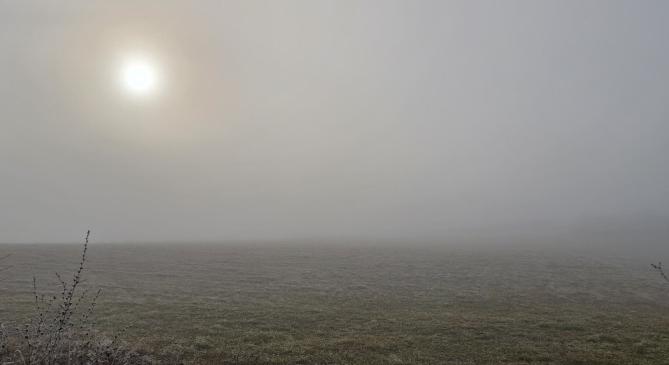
x: 660, y: 270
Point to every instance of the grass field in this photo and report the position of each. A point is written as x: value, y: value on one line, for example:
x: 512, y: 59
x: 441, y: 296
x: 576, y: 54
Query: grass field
x: 302, y: 304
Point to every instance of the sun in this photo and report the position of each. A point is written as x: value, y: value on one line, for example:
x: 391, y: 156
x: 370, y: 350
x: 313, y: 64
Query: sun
x: 139, y: 76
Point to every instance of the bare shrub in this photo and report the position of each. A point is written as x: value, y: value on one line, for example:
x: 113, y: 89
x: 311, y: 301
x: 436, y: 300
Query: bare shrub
x: 62, y: 331
x: 658, y: 267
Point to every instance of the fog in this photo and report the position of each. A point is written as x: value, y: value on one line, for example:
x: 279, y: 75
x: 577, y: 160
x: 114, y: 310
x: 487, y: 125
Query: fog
x: 391, y: 120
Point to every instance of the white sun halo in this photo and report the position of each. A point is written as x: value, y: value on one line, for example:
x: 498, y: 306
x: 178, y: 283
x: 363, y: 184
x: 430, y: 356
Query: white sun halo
x: 139, y: 77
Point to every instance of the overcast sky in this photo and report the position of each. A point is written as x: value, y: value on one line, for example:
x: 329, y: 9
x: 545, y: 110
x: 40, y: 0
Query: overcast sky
x: 332, y: 119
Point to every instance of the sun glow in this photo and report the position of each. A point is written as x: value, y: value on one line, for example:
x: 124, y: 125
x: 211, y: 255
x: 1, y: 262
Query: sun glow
x: 139, y: 77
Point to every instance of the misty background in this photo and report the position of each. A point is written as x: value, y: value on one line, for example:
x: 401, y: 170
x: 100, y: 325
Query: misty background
x: 399, y: 120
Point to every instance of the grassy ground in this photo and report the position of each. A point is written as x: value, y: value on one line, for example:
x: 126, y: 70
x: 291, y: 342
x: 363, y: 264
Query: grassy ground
x: 345, y: 305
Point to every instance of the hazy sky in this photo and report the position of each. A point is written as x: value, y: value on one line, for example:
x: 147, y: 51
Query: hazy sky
x: 297, y: 119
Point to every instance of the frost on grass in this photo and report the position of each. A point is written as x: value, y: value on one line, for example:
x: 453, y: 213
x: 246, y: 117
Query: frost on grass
x: 62, y: 331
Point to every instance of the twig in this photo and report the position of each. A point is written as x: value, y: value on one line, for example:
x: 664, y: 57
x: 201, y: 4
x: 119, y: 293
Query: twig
x: 660, y: 270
